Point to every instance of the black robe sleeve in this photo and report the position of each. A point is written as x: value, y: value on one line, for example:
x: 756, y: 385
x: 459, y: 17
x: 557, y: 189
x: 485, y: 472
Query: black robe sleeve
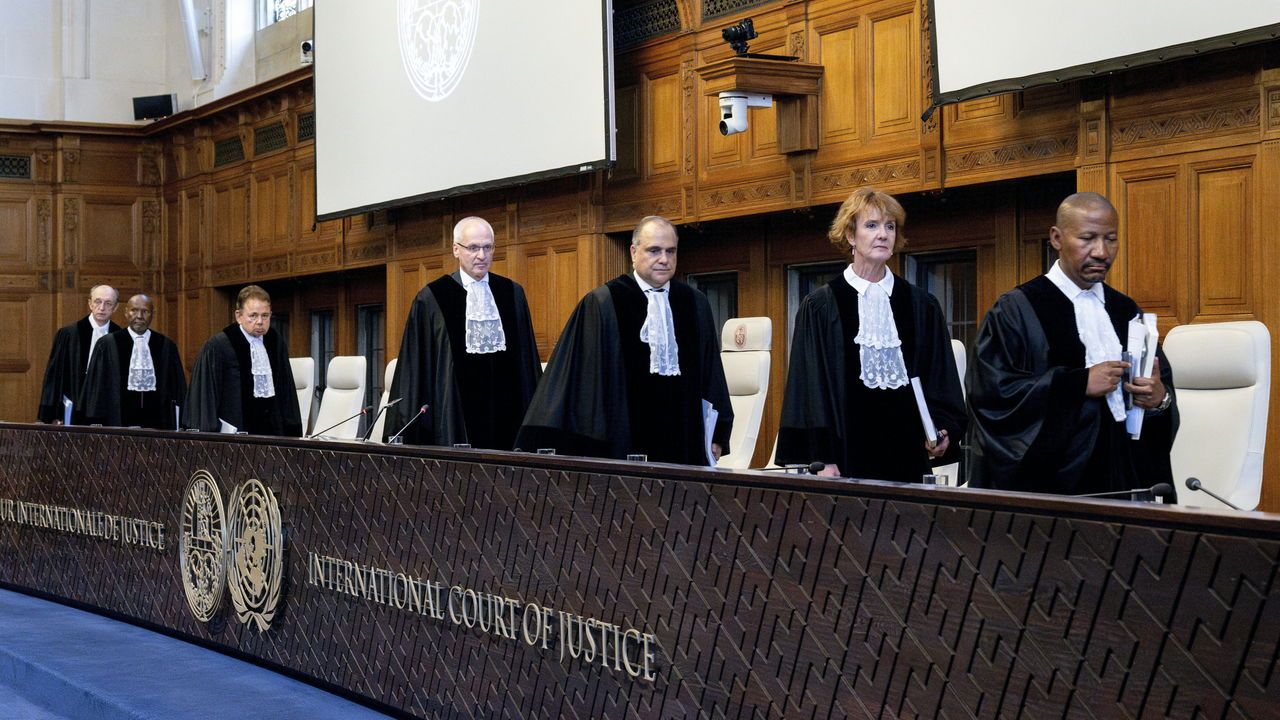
x: 58, y: 375
x: 99, y: 399
x: 940, y: 379
x: 208, y: 402
x: 813, y: 423
x: 173, y: 381
x: 529, y: 362
x: 286, y: 396
x: 580, y: 407
x: 715, y: 388
x: 424, y: 376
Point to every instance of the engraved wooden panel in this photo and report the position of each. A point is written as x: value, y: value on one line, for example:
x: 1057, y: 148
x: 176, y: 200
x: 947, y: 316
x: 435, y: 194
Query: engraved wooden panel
x: 172, y: 256
x: 307, y: 229
x: 15, y: 229
x: 842, y: 83
x: 1150, y: 231
x: 537, y: 276
x: 981, y: 108
x: 272, y: 208
x: 230, y: 232
x: 108, y: 164
x: 15, y: 351
x: 109, y: 231
x: 895, y: 85
x: 192, y: 224
x: 662, y: 125
x: 627, y: 117
x: 1225, y: 238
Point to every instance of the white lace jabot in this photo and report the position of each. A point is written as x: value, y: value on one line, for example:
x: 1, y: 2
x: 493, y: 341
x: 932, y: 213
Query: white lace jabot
x: 142, y: 371
x: 879, y: 347
x: 659, y: 329
x: 484, y: 325
x: 263, y: 384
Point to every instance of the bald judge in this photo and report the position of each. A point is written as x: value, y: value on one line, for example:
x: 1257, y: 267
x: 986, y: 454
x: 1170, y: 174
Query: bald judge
x: 135, y: 375
x: 1045, y: 388
x: 633, y: 366
x: 468, y: 353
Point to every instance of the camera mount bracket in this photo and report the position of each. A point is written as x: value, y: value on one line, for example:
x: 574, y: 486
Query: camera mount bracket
x: 794, y: 86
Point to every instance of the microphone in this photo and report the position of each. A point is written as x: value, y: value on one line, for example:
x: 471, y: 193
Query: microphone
x: 421, y: 411
x: 1164, y: 491
x: 374, y: 423
x: 813, y: 468
x: 1195, y: 484
x: 363, y: 411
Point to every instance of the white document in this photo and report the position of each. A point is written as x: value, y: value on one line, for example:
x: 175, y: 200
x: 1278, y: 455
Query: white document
x: 67, y: 405
x: 1143, y: 336
x: 226, y: 427
x: 709, y: 417
x: 177, y: 417
x: 926, y: 420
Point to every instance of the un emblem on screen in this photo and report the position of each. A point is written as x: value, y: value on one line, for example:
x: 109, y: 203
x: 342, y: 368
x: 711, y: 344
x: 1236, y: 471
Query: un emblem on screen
x: 255, y: 554
x: 202, y: 546
x: 436, y: 39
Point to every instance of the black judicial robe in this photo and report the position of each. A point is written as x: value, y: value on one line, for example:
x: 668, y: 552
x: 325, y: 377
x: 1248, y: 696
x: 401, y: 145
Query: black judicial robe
x: 222, y: 388
x: 829, y: 415
x: 64, y: 374
x: 1033, y: 428
x: 106, y: 398
x: 598, y: 397
x: 478, y: 399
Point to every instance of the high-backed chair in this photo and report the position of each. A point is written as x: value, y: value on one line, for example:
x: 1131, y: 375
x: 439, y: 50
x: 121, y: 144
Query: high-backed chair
x: 304, y: 382
x: 744, y: 351
x: 378, y: 426
x: 343, y: 397
x: 952, y: 470
x: 1222, y: 372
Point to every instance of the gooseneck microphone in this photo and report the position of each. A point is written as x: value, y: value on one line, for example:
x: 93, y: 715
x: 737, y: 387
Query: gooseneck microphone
x: 812, y: 468
x: 1163, y: 491
x: 374, y: 422
x: 1195, y: 484
x: 363, y: 411
x: 421, y: 411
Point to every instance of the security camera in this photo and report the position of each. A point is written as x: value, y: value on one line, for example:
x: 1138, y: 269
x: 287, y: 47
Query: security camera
x: 733, y: 109
x: 308, y: 51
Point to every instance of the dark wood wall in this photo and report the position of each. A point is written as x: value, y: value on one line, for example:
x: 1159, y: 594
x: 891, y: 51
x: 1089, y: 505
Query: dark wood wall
x: 190, y: 207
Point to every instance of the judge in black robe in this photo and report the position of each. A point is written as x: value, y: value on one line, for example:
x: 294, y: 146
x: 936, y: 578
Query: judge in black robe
x: 106, y: 398
x: 598, y: 397
x: 829, y: 414
x: 222, y: 381
x: 69, y: 356
x: 477, y: 398
x: 1035, y: 425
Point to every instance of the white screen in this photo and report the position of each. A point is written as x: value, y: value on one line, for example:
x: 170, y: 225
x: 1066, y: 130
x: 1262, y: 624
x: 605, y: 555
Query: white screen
x: 531, y: 98
x: 985, y: 46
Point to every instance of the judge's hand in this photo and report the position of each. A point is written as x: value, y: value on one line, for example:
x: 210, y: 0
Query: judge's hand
x: 940, y: 448
x: 1147, y: 392
x: 715, y: 451
x: 831, y: 470
x: 1105, y: 377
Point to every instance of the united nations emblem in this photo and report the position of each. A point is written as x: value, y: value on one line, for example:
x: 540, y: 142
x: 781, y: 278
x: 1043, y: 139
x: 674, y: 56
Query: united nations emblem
x: 436, y: 39
x: 201, y: 546
x: 255, y: 553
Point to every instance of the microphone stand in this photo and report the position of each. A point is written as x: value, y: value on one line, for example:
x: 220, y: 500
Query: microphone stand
x: 374, y: 422
x: 813, y: 468
x: 1159, y: 490
x: 421, y: 411
x: 1195, y: 484
x: 363, y: 411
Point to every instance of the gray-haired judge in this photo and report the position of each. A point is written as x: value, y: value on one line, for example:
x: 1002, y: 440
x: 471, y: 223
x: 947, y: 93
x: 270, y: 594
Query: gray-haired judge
x: 69, y: 356
x: 468, y: 354
x: 633, y: 366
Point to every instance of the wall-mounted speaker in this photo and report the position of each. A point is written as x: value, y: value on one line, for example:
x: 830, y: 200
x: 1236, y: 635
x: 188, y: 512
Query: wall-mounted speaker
x: 151, y: 107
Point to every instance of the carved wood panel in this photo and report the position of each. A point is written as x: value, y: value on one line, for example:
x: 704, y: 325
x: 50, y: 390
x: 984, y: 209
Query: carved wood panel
x: 895, y: 101
x: 842, y: 85
x: 662, y: 125
x: 1151, y: 240
x: 1225, y: 238
x: 15, y: 230
x: 110, y: 235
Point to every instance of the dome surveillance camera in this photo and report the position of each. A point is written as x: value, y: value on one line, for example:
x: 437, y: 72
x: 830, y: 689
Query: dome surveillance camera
x: 308, y: 51
x: 733, y: 109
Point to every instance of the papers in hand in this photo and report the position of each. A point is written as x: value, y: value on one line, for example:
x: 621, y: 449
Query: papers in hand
x: 226, y: 427
x: 67, y: 405
x: 926, y: 420
x: 709, y: 417
x: 1143, y: 335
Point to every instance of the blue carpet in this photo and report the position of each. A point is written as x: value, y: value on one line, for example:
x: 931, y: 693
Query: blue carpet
x: 58, y: 662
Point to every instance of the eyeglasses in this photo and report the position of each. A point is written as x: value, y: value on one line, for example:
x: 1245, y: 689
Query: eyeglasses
x: 476, y: 249
x: 103, y: 303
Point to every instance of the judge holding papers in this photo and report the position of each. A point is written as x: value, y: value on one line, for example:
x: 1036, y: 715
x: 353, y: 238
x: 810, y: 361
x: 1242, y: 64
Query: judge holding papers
x: 468, y: 353
x: 242, y: 380
x: 135, y: 375
x: 859, y: 342
x: 1047, y: 388
x: 636, y: 366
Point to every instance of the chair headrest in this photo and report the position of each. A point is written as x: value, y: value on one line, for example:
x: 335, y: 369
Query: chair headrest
x: 345, y: 372
x: 390, y: 374
x: 748, y: 333
x: 303, y: 372
x: 1217, y: 356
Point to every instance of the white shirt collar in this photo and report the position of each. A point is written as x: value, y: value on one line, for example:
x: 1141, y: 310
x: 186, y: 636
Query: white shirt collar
x: 146, y: 335
x: 468, y: 281
x: 1059, y: 278
x: 645, y: 287
x: 251, y: 338
x: 861, y: 284
x: 100, y: 328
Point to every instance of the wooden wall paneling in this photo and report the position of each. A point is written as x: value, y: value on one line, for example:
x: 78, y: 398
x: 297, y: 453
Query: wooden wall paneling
x: 1152, y: 264
x: 842, y: 100
x: 627, y: 107
x: 1268, y: 182
x: 555, y: 208
x: 895, y: 61
x: 404, y: 279
x: 18, y: 229
x: 1225, y: 237
x: 230, y: 227
x: 557, y: 273
x: 111, y: 162
x: 662, y: 124
x: 419, y: 230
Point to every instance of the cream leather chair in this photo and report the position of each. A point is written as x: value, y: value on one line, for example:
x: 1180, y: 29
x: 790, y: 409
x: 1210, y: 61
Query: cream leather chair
x: 952, y: 470
x: 1222, y: 372
x: 744, y: 351
x: 304, y: 382
x: 376, y: 435
x: 343, y: 397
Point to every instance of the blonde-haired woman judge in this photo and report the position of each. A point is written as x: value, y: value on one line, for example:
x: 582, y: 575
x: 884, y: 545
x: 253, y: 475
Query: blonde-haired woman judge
x: 858, y: 342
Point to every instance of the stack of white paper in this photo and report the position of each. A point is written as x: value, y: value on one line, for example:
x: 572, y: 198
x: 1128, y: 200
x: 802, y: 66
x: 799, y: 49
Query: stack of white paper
x: 1143, y: 335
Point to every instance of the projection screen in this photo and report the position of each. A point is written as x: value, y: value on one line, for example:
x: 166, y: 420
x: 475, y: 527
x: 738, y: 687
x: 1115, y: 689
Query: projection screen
x: 423, y: 99
x: 984, y: 47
